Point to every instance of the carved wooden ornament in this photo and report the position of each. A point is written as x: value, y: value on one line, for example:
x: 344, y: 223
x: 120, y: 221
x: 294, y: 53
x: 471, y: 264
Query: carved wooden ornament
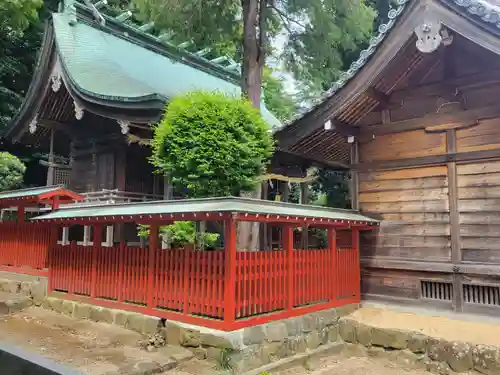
x: 429, y: 36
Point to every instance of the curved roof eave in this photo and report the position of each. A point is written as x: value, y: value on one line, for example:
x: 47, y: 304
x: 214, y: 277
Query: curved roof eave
x: 39, y: 84
x: 479, y: 12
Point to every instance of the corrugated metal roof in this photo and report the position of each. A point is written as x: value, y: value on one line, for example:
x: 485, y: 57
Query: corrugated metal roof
x: 30, y: 192
x: 111, y: 68
x: 208, y: 205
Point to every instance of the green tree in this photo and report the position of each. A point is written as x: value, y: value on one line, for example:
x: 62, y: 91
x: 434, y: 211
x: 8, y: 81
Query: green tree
x: 210, y: 144
x: 276, y: 98
x: 323, y: 36
x: 332, y: 188
x: 20, y: 35
x: 11, y: 171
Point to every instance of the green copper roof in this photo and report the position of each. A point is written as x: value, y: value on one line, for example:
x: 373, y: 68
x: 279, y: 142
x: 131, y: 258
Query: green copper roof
x: 108, y: 67
x: 225, y: 204
x: 30, y: 192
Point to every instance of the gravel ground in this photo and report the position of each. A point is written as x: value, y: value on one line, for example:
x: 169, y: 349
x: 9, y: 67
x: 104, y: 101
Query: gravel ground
x: 92, y: 348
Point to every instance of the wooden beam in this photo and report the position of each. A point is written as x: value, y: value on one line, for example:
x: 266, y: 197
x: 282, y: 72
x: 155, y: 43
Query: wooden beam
x: 465, y: 117
x: 427, y: 160
x: 456, y: 256
x: 424, y: 266
x: 463, y: 82
x: 325, y: 163
x: 354, y: 151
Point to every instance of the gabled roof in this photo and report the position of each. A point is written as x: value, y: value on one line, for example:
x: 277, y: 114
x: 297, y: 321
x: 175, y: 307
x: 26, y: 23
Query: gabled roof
x: 476, y: 20
x: 180, y: 209
x: 119, y: 71
x: 37, y: 195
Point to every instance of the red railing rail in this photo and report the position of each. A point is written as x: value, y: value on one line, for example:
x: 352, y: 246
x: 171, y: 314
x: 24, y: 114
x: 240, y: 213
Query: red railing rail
x: 192, y: 285
x: 24, y: 247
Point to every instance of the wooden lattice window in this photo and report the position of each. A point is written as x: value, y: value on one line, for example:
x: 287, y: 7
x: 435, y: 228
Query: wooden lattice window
x: 482, y: 294
x: 62, y: 176
x: 436, y: 290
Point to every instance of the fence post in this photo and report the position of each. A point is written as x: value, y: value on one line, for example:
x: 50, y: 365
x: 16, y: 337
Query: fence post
x: 355, y: 248
x: 153, y: 245
x: 332, y: 244
x: 95, y: 248
x: 288, y: 248
x: 121, y: 257
x: 230, y: 272
x: 50, y: 261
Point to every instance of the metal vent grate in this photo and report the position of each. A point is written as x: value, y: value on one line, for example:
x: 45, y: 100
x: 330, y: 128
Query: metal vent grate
x: 482, y: 294
x: 436, y: 290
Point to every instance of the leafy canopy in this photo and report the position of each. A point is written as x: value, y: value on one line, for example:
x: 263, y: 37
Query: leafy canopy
x: 321, y: 37
x: 181, y: 233
x: 210, y: 144
x: 11, y: 171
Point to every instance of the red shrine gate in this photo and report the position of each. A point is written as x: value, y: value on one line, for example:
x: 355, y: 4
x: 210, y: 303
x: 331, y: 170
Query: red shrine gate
x: 223, y: 288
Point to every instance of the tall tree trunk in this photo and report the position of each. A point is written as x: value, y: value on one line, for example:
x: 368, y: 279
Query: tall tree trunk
x: 254, y: 43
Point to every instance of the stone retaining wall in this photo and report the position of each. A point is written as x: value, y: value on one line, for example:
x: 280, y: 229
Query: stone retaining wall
x: 35, y: 290
x: 436, y: 355
x: 243, y: 350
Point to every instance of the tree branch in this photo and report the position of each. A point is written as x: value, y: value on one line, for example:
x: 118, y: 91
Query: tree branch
x: 285, y: 18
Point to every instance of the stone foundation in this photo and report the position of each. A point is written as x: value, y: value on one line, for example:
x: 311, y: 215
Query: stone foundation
x: 415, y: 349
x: 35, y: 290
x: 243, y: 350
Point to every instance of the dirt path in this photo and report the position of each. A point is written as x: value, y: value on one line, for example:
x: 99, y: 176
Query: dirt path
x: 90, y: 347
x: 437, y: 326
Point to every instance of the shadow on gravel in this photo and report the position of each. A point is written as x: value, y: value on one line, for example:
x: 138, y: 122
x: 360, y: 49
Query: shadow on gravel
x: 14, y: 361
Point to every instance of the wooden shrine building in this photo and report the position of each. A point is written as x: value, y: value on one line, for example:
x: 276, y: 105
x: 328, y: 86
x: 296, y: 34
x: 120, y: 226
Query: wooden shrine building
x: 417, y: 120
x: 101, y: 80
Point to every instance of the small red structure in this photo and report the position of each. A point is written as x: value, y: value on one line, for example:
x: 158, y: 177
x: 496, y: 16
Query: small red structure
x: 225, y: 289
x: 24, y: 244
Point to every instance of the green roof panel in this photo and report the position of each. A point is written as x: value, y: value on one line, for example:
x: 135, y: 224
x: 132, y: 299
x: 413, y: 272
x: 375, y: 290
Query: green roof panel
x: 109, y: 67
x: 225, y: 204
x: 30, y: 192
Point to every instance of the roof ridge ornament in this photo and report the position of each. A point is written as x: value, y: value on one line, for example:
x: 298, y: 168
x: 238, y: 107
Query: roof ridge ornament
x: 95, y: 12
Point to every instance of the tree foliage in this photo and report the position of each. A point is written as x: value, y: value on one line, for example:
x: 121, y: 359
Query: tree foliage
x: 181, y: 233
x: 322, y: 37
x: 11, y: 171
x: 20, y: 35
x: 332, y: 188
x: 210, y: 144
x: 277, y: 100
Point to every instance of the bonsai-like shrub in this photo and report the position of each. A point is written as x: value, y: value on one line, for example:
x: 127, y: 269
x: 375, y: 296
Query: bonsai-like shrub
x: 210, y: 144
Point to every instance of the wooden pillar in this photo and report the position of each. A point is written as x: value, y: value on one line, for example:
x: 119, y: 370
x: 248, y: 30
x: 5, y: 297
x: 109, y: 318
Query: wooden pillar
x: 55, y: 203
x: 355, y: 247
x: 121, y: 269
x: 264, y: 243
x: 288, y: 248
x: 456, y: 252
x: 332, y: 246
x: 95, y: 249
x: 230, y: 272
x: 354, y: 190
x: 50, y: 257
x: 20, y: 214
x: 304, y: 199
x: 50, y: 170
x: 153, y: 246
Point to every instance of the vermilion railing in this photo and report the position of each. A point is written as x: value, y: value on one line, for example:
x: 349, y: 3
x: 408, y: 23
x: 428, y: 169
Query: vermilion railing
x: 187, y: 283
x: 24, y: 247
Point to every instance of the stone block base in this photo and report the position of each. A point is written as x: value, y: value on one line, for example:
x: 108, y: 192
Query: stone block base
x: 417, y: 350
x: 242, y: 350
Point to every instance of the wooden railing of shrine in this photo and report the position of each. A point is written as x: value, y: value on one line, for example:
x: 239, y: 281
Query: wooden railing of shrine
x: 24, y: 247
x: 201, y: 287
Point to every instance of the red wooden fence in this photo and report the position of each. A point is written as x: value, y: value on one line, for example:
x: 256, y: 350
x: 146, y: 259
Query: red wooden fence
x: 24, y: 247
x: 190, y: 283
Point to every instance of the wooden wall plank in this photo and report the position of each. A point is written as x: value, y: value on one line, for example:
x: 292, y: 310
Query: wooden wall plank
x: 402, y: 195
x: 484, y: 136
x: 403, y: 174
x: 402, y: 145
x: 404, y: 184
